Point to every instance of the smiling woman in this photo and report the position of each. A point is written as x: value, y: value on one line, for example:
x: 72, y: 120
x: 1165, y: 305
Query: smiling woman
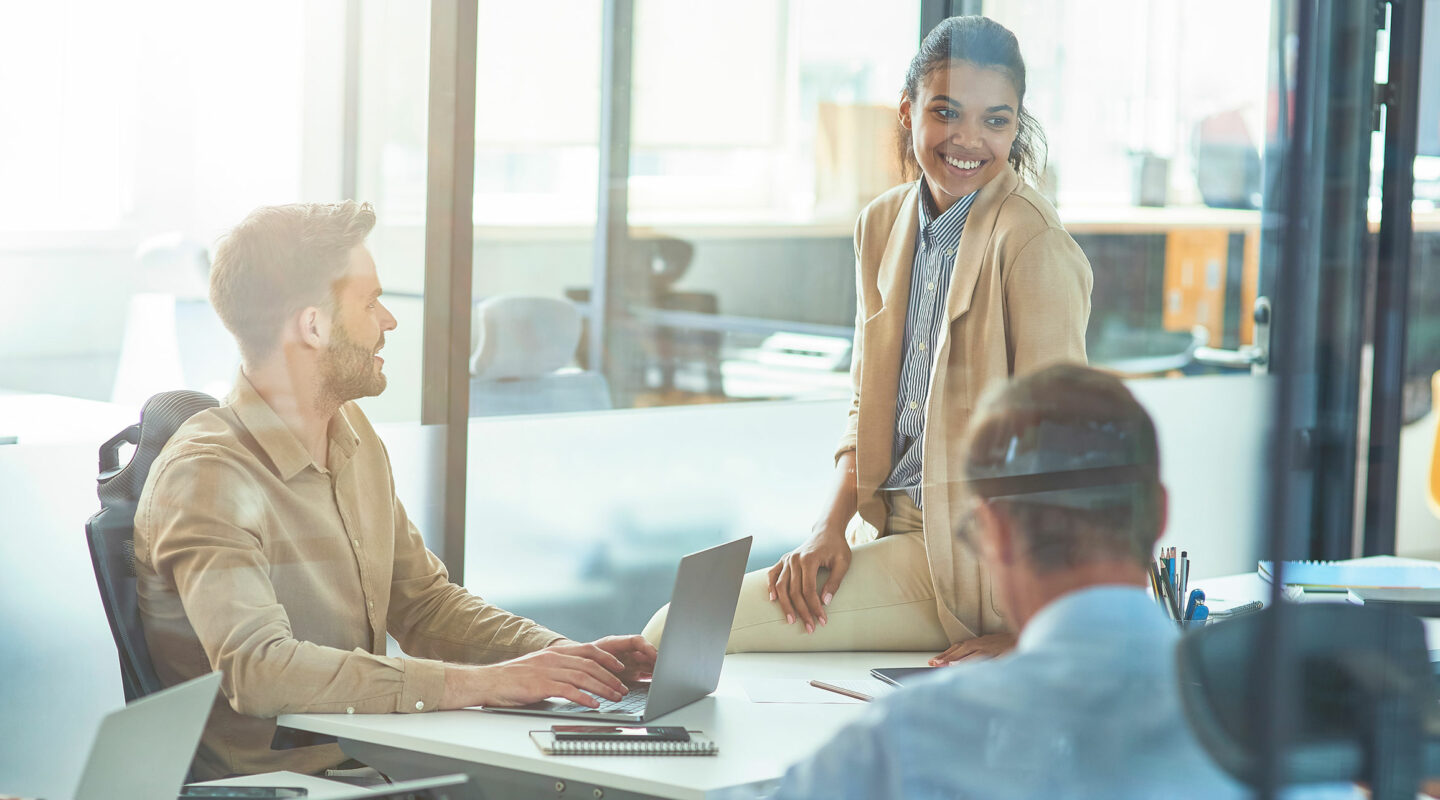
x: 972, y: 69
x: 965, y: 277
x: 962, y: 117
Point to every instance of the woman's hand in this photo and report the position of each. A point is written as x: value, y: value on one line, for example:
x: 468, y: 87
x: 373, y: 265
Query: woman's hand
x: 978, y: 649
x: 793, y: 580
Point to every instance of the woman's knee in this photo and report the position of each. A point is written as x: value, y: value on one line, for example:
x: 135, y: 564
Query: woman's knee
x: 656, y: 625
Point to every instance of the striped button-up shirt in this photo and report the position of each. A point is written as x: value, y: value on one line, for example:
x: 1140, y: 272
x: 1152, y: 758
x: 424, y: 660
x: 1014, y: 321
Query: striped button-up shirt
x: 935, y: 249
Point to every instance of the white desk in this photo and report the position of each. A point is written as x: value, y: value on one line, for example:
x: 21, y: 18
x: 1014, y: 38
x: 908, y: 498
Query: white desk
x: 758, y: 741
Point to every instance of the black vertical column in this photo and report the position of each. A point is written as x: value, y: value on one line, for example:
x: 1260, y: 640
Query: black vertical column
x: 1313, y: 236
x: 933, y: 11
x: 1401, y: 100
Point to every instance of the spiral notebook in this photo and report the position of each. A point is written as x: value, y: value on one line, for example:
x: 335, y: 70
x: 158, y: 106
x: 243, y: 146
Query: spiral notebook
x: 1338, y: 576
x: 698, y: 745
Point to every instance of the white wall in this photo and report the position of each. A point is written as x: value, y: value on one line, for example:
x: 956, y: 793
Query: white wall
x: 682, y: 478
x: 1212, y: 431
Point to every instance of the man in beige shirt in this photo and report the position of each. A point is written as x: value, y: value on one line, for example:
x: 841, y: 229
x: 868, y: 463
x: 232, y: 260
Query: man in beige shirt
x: 269, y: 542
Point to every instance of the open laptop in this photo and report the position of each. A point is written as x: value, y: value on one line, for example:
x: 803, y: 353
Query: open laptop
x: 143, y: 751
x: 702, y: 609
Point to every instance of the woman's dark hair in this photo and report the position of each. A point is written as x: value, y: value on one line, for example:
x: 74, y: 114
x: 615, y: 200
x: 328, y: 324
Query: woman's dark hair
x: 985, y: 43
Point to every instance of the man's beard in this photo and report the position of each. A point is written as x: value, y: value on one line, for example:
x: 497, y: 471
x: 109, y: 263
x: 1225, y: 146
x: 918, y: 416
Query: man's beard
x: 347, y: 369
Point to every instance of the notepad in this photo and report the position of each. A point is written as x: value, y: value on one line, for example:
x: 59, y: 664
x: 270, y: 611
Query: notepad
x: 698, y: 745
x: 1420, y: 602
x: 1337, y: 575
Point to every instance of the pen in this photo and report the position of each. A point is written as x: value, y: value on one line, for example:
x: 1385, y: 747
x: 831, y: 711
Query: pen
x: 1184, y: 572
x: 1167, y: 586
x: 1157, y: 574
x: 1196, y: 597
x: 830, y: 687
x: 1170, y: 562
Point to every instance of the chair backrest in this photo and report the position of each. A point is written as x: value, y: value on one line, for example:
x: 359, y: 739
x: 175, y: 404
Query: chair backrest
x: 1364, y: 687
x: 110, y: 533
x: 523, y: 337
x: 524, y: 347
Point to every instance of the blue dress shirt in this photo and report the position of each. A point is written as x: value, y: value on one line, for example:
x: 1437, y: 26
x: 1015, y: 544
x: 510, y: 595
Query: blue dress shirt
x: 1086, y: 706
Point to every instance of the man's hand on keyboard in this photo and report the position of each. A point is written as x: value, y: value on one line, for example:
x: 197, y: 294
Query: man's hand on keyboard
x: 553, y: 672
x: 630, y: 657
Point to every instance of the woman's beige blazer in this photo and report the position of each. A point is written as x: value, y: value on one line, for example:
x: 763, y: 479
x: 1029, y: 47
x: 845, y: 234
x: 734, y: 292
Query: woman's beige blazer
x: 1019, y: 300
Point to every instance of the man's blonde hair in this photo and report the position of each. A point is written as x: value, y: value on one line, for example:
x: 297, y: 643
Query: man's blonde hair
x: 279, y: 260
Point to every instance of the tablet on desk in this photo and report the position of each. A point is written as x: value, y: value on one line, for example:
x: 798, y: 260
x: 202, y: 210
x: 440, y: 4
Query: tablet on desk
x: 898, y: 676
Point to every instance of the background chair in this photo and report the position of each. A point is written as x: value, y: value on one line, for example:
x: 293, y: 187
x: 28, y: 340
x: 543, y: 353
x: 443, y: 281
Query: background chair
x: 524, y: 349
x: 677, y: 358
x: 1227, y: 161
x: 110, y: 533
x: 173, y: 337
x: 1365, y: 690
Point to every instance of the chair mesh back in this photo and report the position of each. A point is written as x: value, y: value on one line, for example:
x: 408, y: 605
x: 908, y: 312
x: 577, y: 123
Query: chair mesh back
x: 1362, y: 676
x: 110, y: 533
x: 162, y: 415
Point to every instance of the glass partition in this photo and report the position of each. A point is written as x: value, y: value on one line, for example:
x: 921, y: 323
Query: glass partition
x: 126, y: 152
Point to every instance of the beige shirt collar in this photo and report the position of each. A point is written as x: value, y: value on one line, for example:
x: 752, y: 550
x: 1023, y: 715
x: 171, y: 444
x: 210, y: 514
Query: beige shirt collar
x: 288, y: 456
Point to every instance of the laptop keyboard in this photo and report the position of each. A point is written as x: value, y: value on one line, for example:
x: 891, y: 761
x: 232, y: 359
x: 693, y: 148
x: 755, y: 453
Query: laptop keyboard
x: 632, y: 703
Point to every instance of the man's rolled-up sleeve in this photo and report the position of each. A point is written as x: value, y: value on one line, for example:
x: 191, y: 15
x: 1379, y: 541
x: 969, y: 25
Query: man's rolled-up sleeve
x: 431, y: 616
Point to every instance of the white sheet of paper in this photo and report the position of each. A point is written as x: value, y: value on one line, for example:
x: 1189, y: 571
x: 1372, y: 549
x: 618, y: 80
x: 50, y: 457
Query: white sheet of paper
x: 799, y: 690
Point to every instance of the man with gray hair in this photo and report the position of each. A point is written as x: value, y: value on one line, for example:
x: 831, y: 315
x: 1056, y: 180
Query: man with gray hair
x: 1064, y: 474
x: 270, y: 545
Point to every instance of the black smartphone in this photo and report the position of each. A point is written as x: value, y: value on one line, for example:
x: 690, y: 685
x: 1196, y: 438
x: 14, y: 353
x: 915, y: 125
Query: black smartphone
x: 628, y: 733
x: 235, y: 792
x: 897, y: 676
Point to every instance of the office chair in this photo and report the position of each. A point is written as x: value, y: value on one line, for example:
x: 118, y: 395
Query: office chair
x: 693, y: 355
x: 1366, y: 694
x: 110, y: 533
x: 523, y: 349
